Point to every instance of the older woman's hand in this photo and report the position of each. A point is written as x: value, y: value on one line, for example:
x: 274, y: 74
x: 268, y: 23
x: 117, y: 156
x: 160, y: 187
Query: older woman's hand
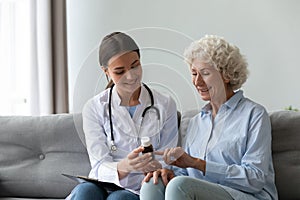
x: 165, y: 174
x: 178, y: 157
x: 171, y: 155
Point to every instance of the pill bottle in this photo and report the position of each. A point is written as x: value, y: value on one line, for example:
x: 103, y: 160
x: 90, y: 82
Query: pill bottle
x: 146, y: 143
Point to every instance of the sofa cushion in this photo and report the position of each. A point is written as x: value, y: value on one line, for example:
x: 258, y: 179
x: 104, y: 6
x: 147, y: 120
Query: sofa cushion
x: 185, y: 120
x: 286, y: 152
x: 35, y: 151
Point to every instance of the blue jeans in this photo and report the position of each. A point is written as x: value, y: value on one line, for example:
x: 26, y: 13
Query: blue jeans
x: 183, y: 187
x: 91, y: 191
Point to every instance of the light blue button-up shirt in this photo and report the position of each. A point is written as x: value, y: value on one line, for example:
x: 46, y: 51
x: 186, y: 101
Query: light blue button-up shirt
x: 236, y: 146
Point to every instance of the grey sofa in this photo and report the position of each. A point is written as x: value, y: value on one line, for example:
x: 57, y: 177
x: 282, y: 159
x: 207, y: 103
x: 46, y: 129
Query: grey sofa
x: 35, y: 151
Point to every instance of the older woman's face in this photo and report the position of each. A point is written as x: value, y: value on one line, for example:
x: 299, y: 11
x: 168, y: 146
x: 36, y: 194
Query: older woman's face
x: 208, y: 81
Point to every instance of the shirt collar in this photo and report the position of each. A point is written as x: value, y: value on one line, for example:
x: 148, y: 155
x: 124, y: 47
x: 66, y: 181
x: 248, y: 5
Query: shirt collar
x: 142, y: 97
x: 116, y: 98
x: 230, y: 103
x: 234, y: 100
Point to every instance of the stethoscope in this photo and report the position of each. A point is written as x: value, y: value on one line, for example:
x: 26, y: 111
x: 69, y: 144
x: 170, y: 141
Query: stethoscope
x: 112, y: 139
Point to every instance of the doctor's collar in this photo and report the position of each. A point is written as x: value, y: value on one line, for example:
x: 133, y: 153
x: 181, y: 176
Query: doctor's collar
x: 143, y: 99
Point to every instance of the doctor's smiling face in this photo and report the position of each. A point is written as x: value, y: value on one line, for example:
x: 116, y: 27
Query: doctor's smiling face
x: 125, y: 71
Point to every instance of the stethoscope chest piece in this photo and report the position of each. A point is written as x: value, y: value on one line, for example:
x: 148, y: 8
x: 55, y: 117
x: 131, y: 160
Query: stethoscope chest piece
x: 113, y: 147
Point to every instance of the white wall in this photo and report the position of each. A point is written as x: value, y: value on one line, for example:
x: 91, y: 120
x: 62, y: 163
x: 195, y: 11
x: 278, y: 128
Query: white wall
x: 267, y: 32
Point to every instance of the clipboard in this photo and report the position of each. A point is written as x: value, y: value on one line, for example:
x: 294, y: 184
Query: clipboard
x: 106, y: 185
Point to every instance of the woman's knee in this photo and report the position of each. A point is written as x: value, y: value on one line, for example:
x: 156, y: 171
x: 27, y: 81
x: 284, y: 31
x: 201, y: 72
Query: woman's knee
x: 122, y: 195
x: 179, y: 187
x: 88, y: 190
x: 178, y: 182
x: 184, y: 187
x: 151, y: 191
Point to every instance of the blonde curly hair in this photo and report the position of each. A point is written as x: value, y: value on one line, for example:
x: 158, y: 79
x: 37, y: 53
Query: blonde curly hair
x: 225, y: 57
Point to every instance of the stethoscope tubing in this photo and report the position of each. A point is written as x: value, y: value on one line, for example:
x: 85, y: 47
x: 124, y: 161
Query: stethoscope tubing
x: 112, y: 140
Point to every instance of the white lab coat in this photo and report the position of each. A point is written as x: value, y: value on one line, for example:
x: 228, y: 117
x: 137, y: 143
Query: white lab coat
x: 127, y: 133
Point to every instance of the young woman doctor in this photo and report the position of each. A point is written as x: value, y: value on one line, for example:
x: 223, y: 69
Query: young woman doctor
x: 115, y: 120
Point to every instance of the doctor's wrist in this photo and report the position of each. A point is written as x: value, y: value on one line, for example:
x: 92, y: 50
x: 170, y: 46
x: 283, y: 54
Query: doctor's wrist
x: 123, y: 168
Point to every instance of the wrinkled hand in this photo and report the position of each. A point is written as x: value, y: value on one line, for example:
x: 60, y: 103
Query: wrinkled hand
x: 134, y: 162
x: 177, y: 157
x: 165, y: 174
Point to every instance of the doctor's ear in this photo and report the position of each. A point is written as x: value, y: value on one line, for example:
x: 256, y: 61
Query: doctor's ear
x: 105, y: 70
x: 109, y: 80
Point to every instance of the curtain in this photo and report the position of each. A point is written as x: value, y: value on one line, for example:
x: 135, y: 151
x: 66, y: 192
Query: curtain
x: 59, y: 41
x: 49, y: 83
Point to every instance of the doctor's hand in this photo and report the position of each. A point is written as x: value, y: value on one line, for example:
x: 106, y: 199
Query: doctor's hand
x: 136, y: 162
x: 165, y: 174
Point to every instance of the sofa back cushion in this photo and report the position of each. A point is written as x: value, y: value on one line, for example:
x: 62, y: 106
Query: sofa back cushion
x: 184, y: 123
x: 286, y: 153
x: 35, y: 151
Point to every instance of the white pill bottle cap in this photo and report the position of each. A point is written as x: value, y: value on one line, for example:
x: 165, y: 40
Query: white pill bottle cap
x: 145, y: 141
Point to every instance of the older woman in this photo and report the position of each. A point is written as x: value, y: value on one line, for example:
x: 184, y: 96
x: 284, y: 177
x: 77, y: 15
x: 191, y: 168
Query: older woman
x: 227, y: 153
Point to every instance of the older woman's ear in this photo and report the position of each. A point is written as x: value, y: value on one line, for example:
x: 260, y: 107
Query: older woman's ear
x: 226, y: 79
